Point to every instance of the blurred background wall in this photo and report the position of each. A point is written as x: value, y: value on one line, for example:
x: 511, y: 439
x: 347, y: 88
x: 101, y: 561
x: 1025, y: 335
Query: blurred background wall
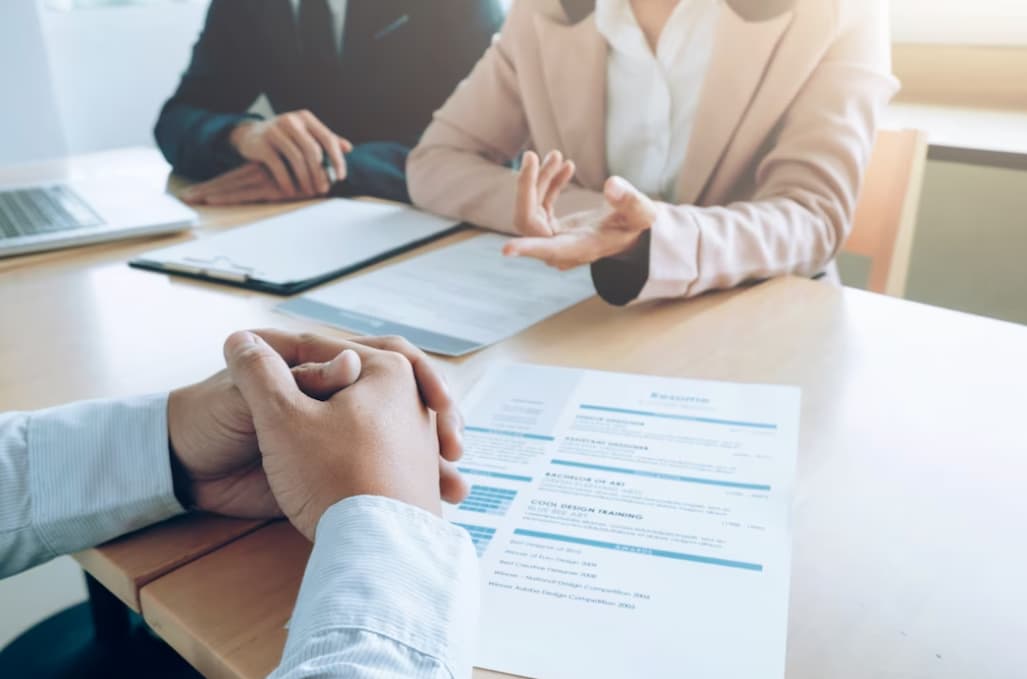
x: 113, y: 67
x: 29, y: 117
x: 113, y: 62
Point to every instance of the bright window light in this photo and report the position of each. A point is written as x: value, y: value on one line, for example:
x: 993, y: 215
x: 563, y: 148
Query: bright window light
x: 981, y: 22
x: 67, y: 5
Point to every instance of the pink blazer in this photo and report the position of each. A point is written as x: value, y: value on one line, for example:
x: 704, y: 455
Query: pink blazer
x: 784, y: 130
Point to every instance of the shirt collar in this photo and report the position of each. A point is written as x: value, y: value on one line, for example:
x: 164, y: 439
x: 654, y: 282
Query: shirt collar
x: 616, y: 22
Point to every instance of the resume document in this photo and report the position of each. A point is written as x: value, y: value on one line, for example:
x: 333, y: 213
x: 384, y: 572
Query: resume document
x: 630, y: 526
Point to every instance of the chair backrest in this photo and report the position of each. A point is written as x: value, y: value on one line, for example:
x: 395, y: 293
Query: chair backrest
x: 886, y: 213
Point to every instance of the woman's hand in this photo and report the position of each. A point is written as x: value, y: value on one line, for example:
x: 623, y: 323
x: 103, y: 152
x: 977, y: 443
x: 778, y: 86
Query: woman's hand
x: 537, y: 191
x: 584, y: 237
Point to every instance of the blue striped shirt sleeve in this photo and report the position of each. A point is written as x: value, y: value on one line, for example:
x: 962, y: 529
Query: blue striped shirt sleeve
x: 390, y: 591
x: 76, y: 476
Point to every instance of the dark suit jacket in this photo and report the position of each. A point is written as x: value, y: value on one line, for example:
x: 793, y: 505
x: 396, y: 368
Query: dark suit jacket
x: 392, y: 75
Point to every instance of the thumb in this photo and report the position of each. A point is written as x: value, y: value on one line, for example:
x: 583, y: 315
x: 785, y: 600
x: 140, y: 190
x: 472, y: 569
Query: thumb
x: 636, y: 210
x: 452, y: 485
x: 261, y: 375
x: 323, y: 380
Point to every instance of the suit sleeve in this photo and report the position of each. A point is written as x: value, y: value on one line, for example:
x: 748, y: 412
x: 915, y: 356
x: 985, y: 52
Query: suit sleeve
x: 806, y: 186
x: 375, y: 169
x: 220, y: 83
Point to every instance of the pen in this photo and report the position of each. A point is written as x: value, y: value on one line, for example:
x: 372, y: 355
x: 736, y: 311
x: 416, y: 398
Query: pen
x: 392, y: 27
x: 329, y: 169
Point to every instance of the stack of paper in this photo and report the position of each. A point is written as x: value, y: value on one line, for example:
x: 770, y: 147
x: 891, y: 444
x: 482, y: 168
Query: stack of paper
x: 451, y: 301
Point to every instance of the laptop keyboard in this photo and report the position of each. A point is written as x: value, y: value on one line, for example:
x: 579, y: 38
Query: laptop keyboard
x: 27, y: 212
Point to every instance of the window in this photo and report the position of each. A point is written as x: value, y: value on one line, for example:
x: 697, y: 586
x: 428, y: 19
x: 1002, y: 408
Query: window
x: 980, y: 22
x: 961, y: 52
x: 66, y: 5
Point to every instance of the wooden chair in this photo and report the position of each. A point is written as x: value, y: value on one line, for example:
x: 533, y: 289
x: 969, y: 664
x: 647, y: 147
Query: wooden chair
x: 886, y: 213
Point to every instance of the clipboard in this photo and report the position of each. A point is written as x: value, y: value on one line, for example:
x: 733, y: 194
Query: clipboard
x: 298, y: 250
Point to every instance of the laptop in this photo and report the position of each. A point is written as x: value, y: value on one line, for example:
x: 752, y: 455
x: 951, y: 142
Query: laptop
x: 51, y: 216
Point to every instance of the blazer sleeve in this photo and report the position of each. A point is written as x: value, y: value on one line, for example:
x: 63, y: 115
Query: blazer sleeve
x: 220, y: 83
x: 461, y: 168
x: 807, y: 185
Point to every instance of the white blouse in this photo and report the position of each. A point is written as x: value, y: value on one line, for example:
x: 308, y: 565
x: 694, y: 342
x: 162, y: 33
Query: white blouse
x: 652, y: 99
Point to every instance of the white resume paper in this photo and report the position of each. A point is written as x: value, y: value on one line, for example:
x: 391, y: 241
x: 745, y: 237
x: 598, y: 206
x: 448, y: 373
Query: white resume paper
x: 451, y: 301
x: 630, y: 526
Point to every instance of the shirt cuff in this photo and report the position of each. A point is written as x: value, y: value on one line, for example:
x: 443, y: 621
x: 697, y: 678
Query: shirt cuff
x: 619, y: 279
x: 394, y: 570
x: 673, y: 254
x: 98, y: 470
x: 663, y: 264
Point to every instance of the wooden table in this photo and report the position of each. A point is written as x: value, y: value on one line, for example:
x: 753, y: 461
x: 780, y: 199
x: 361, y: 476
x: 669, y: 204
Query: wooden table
x: 910, y: 509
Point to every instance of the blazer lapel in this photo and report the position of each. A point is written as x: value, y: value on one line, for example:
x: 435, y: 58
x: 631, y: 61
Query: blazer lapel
x: 574, y: 62
x: 742, y: 52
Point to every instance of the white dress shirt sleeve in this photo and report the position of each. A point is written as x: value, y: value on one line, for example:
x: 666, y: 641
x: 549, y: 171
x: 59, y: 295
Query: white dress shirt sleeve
x: 79, y: 475
x: 390, y: 591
